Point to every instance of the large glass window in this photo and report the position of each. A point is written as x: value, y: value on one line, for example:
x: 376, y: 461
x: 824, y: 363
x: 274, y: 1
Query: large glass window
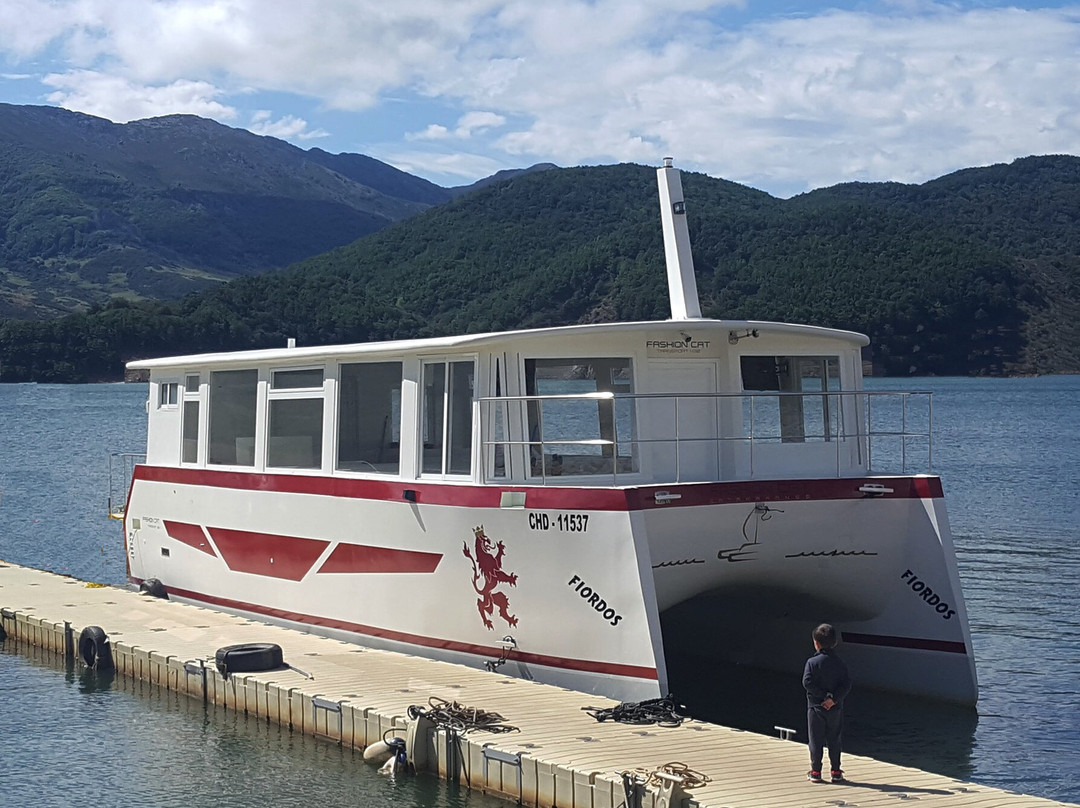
x: 295, y: 414
x: 233, y: 396
x: 580, y: 435
x: 295, y: 433
x: 369, y: 417
x: 447, y: 417
x: 802, y: 411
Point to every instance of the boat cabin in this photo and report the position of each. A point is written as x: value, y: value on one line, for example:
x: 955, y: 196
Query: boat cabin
x: 609, y: 404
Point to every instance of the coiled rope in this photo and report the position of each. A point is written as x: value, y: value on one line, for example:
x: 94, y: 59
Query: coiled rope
x: 663, y: 711
x: 689, y: 778
x: 459, y: 718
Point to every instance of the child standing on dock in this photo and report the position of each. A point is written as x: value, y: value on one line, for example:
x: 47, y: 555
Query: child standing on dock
x: 827, y: 684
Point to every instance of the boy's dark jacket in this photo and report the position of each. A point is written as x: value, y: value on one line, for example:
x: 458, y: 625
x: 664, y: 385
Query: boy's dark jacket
x: 825, y: 674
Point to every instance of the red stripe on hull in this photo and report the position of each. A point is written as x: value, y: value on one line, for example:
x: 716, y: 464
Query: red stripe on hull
x: 553, y: 497
x: 888, y: 641
x: 191, y: 535
x: 286, y: 557
x: 365, y: 558
x: 487, y: 652
x: 754, y: 491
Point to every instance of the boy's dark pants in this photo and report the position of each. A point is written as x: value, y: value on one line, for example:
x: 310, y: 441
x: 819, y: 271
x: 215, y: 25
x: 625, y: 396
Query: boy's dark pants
x: 825, y: 728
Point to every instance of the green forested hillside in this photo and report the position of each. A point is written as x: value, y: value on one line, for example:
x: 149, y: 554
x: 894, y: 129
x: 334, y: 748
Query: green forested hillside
x: 957, y: 276
x: 159, y: 208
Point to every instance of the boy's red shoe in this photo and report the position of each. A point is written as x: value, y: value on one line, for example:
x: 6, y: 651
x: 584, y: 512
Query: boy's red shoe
x: 813, y: 776
x: 836, y: 776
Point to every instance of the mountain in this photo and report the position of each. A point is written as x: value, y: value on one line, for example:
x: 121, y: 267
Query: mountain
x: 973, y: 273
x: 500, y: 176
x: 162, y: 207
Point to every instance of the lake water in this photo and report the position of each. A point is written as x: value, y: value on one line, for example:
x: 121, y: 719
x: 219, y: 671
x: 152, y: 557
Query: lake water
x: 1008, y: 451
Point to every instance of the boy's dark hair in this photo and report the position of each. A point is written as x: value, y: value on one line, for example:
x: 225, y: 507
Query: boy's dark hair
x: 825, y: 636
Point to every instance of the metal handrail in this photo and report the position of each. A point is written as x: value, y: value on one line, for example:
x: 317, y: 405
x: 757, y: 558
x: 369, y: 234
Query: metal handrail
x: 843, y: 427
x: 121, y: 468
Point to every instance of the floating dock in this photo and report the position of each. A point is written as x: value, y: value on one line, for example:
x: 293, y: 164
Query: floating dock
x: 559, y: 756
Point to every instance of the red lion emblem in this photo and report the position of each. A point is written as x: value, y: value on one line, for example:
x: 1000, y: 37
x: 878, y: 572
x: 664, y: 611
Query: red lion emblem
x: 487, y: 568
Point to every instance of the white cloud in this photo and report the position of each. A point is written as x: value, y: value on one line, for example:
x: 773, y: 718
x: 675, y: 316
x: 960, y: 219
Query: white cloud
x: 902, y: 89
x: 28, y: 26
x: 476, y: 122
x: 121, y: 100
x: 469, y: 124
x: 345, y: 52
x: 285, y: 127
x: 791, y: 104
x: 434, y: 131
x: 462, y: 165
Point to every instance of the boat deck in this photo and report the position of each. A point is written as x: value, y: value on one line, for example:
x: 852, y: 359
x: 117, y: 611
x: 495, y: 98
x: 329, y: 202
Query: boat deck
x: 560, y: 756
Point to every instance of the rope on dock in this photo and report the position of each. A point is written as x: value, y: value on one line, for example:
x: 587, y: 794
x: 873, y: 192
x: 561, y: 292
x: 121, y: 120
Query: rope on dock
x: 691, y: 778
x: 663, y: 712
x: 687, y: 777
x: 458, y: 717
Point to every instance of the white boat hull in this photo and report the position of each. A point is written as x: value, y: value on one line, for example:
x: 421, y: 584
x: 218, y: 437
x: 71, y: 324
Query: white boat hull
x: 572, y: 582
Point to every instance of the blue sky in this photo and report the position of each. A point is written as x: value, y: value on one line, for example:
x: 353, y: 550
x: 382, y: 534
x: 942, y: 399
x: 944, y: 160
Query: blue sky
x: 777, y: 95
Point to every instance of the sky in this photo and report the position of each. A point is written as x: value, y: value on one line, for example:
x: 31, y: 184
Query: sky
x: 781, y: 96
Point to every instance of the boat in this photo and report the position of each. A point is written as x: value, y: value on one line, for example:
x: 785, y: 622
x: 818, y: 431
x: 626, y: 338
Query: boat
x: 563, y: 504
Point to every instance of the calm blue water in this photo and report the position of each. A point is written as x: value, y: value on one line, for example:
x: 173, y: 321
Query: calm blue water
x: 1008, y: 451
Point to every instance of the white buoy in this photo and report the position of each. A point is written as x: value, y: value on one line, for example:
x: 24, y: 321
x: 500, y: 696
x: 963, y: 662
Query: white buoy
x: 378, y: 753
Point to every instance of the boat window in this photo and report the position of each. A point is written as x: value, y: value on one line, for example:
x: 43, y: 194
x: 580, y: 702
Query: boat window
x: 308, y: 378
x: 799, y: 412
x: 190, y: 448
x: 447, y: 417
x: 497, y: 419
x: 295, y: 413
x: 168, y: 395
x: 233, y: 398
x: 580, y: 435
x: 369, y: 417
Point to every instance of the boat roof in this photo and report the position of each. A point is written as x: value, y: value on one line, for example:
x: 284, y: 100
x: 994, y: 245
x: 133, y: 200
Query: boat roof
x: 466, y: 341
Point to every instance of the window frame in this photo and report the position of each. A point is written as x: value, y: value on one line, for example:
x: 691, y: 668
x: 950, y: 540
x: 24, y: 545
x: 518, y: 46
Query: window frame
x: 168, y: 402
x: 189, y: 396
x: 210, y: 406
x: 447, y: 432
x: 791, y: 410
x: 274, y: 394
x: 635, y: 459
x: 401, y: 425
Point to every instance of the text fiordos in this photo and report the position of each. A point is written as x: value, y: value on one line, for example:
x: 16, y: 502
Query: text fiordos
x: 594, y: 600
x: 927, y: 594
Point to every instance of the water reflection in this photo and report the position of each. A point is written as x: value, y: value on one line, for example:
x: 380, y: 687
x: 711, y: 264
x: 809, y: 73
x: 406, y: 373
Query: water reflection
x: 91, y: 680
x: 145, y: 745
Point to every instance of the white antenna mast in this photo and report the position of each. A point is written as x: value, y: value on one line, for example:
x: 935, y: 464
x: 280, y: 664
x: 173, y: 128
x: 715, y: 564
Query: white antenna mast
x: 682, y: 285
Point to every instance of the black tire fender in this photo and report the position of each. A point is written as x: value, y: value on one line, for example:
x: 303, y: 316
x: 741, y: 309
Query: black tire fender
x: 248, y: 658
x: 94, y: 648
x: 154, y: 588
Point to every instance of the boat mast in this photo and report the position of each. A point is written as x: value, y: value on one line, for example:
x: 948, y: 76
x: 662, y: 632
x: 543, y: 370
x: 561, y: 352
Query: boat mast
x: 682, y: 286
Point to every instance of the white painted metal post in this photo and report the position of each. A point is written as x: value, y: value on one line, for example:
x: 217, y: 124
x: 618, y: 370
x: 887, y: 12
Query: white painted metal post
x: 682, y: 286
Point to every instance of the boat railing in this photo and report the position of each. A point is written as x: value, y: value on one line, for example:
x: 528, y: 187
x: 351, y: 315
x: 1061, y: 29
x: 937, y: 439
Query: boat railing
x: 121, y: 470
x: 686, y: 437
